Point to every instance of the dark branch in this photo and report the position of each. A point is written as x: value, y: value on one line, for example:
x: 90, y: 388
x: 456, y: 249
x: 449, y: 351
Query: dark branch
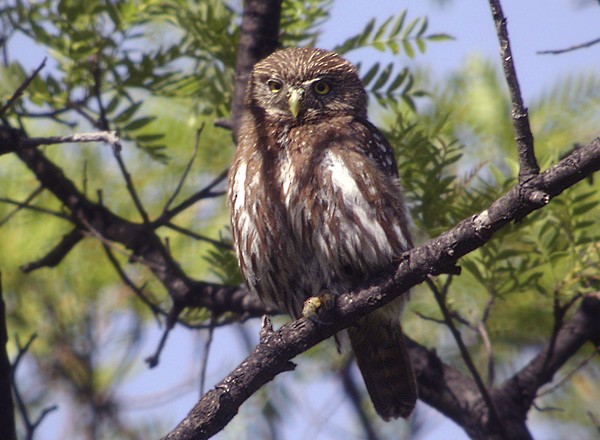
x: 274, y: 352
x: 145, y: 245
x: 171, y: 320
x: 131, y: 187
x: 528, y: 166
x: 20, y: 205
x: 584, y: 326
x: 30, y: 426
x: 186, y: 171
x: 204, y: 193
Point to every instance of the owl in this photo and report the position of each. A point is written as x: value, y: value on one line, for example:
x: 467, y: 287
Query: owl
x: 316, y: 205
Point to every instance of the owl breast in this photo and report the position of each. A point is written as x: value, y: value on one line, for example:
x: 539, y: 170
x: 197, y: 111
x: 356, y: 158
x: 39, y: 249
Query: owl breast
x: 329, y: 225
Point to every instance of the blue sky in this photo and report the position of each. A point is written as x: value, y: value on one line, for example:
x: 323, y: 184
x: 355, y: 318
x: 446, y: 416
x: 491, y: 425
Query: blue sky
x: 533, y: 25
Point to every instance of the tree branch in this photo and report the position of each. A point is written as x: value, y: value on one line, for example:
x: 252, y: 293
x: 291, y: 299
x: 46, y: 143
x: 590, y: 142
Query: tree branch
x: 273, y: 354
x: 143, y: 242
x: 584, y: 326
x: 528, y: 166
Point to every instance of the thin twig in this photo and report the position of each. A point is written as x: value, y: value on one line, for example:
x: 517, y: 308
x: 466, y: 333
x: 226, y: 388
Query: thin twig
x: 97, y: 74
x: 467, y: 358
x: 559, y: 313
x: 569, y: 49
x: 569, y: 375
x: 22, y: 87
x: 30, y: 426
x: 487, y: 343
x: 547, y: 408
x: 430, y: 318
x: 205, y: 353
x: 35, y: 208
x: 131, y: 188
x: 197, y: 236
x: 139, y: 292
x: 488, y: 308
x: 206, y: 192
x: 528, y: 166
x: 21, y: 205
x: 170, y: 322
x: 595, y: 420
x: 187, y: 169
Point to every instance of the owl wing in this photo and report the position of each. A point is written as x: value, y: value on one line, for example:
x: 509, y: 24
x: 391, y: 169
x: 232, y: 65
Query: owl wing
x: 356, y: 217
x: 377, y: 147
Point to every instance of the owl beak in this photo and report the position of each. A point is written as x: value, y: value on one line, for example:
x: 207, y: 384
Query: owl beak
x: 294, y: 101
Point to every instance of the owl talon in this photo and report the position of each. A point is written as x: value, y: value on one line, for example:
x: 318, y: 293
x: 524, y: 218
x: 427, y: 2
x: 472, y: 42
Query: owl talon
x: 319, y: 308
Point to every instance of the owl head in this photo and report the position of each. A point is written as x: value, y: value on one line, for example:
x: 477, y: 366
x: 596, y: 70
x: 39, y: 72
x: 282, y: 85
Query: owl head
x: 302, y: 85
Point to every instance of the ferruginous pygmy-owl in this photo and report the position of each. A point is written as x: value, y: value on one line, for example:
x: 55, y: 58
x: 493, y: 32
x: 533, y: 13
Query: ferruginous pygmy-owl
x: 316, y: 205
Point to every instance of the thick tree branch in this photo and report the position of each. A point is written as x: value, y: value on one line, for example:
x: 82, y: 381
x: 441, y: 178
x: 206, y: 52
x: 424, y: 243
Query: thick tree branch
x: 274, y: 352
x: 259, y: 37
x: 528, y: 166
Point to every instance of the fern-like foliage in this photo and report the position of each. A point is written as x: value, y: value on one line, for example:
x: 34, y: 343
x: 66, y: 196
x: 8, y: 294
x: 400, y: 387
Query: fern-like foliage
x: 395, y: 34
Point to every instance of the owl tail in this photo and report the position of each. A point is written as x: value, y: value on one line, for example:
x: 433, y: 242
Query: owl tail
x: 383, y: 360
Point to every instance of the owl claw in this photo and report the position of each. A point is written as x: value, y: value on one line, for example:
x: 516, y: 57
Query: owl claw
x: 319, y: 308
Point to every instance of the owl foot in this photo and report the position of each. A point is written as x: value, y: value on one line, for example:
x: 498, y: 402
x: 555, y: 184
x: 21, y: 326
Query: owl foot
x: 319, y: 308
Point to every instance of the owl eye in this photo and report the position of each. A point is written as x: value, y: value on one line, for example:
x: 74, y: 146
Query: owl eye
x: 274, y: 86
x: 321, y: 87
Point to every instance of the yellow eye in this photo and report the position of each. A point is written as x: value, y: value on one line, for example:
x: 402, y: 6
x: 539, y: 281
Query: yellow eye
x: 321, y: 87
x: 274, y: 86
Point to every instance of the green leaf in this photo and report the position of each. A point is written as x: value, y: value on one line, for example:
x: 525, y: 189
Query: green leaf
x: 439, y: 37
x: 138, y: 123
x: 584, y: 208
x: 408, y: 49
x: 383, y: 77
x: 126, y: 114
x: 398, y: 25
x: 366, y: 79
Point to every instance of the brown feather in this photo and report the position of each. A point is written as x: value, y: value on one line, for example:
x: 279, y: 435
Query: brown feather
x: 316, y: 205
